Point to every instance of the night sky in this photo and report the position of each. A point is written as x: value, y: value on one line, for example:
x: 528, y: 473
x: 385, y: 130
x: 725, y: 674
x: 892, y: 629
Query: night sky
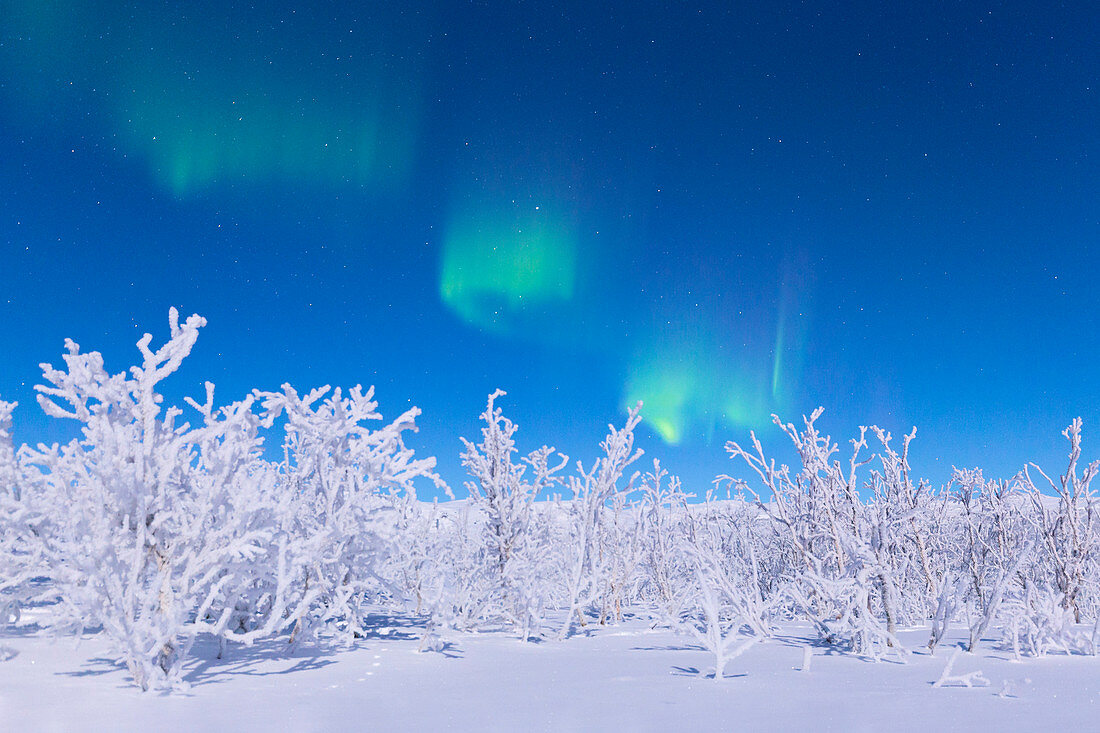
x: 725, y: 210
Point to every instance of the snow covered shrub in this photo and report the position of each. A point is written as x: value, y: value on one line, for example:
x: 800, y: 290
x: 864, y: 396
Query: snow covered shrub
x: 841, y: 576
x: 457, y: 596
x: 665, y: 531
x: 9, y: 471
x: 337, y: 519
x: 994, y: 549
x: 589, y: 557
x: 902, y: 533
x: 508, y: 563
x: 724, y: 607
x: 154, y: 531
x: 1067, y: 531
x: 859, y: 557
x: 1057, y: 607
x: 621, y: 549
x: 240, y: 494
x: 17, y: 564
x: 480, y: 562
x: 722, y: 551
x: 138, y: 539
x: 721, y: 611
x: 410, y: 567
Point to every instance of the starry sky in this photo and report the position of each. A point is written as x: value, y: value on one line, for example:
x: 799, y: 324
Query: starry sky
x: 724, y: 210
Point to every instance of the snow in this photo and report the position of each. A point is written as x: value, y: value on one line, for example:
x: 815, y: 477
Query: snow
x: 625, y: 677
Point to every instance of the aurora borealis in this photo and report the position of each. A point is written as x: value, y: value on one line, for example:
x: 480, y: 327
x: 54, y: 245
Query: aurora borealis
x: 722, y: 212
x: 497, y: 270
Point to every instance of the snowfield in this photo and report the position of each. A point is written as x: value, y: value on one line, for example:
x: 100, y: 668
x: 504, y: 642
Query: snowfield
x: 624, y: 677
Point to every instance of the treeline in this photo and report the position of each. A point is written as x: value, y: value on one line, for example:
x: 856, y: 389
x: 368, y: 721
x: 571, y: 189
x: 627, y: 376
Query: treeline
x: 153, y: 529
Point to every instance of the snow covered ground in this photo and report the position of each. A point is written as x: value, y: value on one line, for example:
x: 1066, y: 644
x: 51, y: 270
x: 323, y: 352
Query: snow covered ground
x: 626, y: 677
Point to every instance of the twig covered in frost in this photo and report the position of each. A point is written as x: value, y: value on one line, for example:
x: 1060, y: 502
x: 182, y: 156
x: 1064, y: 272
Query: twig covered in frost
x: 807, y: 658
x: 968, y: 679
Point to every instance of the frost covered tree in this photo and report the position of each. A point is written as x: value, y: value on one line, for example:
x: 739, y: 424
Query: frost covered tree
x: 1068, y: 531
x: 336, y: 517
x: 503, y: 492
x: 18, y: 563
x: 723, y: 608
x: 902, y: 532
x: 9, y: 468
x: 992, y: 552
x: 665, y: 530
x: 1056, y: 605
x: 836, y: 577
x: 147, y: 542
x: 171, y: 530
x: 723, y: 550
x: 587, y: 514
x: 411, y: 566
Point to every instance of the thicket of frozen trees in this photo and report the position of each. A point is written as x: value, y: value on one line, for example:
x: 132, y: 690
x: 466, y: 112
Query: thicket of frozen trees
x: 160, y: 524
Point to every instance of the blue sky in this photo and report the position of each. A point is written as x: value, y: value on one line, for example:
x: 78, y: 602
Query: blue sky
x: 725, y: 211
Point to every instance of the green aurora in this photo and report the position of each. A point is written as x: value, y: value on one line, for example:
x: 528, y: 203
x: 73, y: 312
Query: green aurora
x: 205, y: 106
x: 691, y: 388
x: 513, y: 270
x: 206, y: 110
x: 500, y: 272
